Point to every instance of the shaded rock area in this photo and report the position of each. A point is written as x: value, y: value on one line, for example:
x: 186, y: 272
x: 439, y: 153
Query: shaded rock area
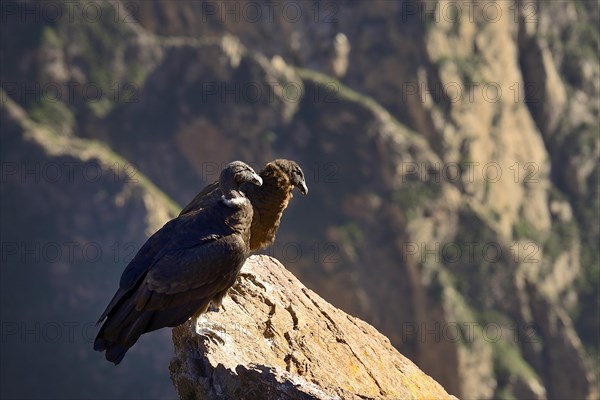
x: 277, y: 339
x: 73, y: 212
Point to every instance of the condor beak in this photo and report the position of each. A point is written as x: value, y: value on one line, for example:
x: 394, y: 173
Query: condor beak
x: 257, y: 180
x: 302, y: 187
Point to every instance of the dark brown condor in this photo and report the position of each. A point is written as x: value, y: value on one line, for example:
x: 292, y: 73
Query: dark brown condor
x: 269, y: 200
x: 189, y: 263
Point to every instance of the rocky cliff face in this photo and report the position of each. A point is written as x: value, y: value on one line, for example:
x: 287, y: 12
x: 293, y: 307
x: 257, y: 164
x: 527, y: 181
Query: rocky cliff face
x: 73, y: 212
x: 452, y: 160
x: 276, y: 339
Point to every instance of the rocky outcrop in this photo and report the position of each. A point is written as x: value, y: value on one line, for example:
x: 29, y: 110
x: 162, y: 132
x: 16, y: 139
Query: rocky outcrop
x: 275, y: 338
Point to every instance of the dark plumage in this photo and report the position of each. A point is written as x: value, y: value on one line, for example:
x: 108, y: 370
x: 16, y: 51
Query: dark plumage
x: 269, y: 200
x: 189, y: 263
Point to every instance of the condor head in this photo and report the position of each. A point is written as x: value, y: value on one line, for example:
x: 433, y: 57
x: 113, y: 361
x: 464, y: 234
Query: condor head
x: 294, y: 173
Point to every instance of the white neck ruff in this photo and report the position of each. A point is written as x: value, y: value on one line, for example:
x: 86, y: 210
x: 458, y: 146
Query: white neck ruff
x: 234, y: 201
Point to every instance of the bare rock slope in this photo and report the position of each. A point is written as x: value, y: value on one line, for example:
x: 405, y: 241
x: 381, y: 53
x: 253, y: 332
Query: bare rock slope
x: 277, y: 339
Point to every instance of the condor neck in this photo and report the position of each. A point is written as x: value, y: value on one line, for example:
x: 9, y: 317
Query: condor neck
x: 276, y: 190
x: 234, y: 199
